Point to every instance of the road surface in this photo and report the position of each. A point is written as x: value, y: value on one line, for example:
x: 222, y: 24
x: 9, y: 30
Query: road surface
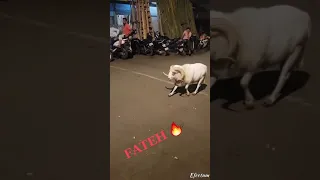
x: 140, y: 108
x: 54, y: 93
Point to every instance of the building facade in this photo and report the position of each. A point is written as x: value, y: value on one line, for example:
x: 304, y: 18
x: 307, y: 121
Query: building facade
x: 121, y: 9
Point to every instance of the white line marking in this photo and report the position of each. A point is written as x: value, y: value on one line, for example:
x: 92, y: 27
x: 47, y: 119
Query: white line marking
x: 51, y: 26
x: 151, y: 77
x: 89, y: 36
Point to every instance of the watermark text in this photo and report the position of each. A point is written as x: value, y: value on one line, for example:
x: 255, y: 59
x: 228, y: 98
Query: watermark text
x: 199, y: 175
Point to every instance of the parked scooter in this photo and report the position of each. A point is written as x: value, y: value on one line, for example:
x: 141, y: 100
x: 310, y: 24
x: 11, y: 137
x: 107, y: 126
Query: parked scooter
x: 145, y: 46
x: 182, y: 47
x: 203, y: 42
x: 122, y: 47
x: 160, y: 44
x: 172, y: 44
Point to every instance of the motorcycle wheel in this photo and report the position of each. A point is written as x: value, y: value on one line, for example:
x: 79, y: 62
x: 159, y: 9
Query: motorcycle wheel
x: 183, y: 53
x: 138, y: 50
x: 124, y: 54
x: 150, y: 52
x: 162, y: 53
x: 199, y: 47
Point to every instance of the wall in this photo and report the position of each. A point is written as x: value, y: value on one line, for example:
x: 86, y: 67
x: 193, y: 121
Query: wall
x: 155, y: 23
x: 125, y: 9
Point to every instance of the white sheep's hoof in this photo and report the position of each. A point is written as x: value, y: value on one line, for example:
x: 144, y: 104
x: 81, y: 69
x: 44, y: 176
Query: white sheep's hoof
x: 249, y: 104
x: 269, y: 101
x: 188, y: 94
x: 169, y: 95
x: 194, y: 93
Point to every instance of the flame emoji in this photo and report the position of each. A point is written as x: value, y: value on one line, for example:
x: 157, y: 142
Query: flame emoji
x: 175, y: 129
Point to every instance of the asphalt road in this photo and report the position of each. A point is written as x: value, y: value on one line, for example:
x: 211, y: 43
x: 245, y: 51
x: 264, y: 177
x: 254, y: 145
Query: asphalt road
x: 54, y: 92
x: 140, y: 108
x: 279, y: 142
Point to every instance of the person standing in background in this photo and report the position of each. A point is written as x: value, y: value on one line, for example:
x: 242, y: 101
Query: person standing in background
x: 186, y: 35
x: 126, y: 29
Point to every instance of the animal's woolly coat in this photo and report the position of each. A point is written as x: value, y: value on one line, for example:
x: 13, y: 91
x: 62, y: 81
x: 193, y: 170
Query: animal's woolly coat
x: 266, y: 36
x: 194, y: 72
x: 250, y: 39
x: 186, y: 75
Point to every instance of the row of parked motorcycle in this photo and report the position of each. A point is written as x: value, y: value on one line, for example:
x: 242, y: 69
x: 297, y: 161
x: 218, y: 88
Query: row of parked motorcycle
x: 127, y: 47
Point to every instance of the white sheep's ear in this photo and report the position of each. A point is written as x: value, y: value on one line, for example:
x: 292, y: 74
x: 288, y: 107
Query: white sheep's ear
x: 178, y: 72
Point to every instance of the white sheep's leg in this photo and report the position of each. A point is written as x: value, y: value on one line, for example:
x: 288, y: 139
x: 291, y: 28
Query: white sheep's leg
x: 284, y: 76
x: 173, y: 90
x: 213, y: 80
x: 198, y: 86
x: 245, y: 80
x: 186, y: 87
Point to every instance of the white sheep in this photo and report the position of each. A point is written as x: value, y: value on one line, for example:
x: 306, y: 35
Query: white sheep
x: 186, y: 75
x: 114, y: 32
x: 252, y: 39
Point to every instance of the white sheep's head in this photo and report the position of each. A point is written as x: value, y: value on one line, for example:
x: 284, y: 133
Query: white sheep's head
x: 224, y: 45
x: 176, y: 73
x: 224, y: 37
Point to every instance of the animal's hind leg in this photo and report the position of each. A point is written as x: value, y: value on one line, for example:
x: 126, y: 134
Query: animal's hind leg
x: 198, y: 86
x: 244, y: 82
x: 284, y: 75
x: 187, y: 87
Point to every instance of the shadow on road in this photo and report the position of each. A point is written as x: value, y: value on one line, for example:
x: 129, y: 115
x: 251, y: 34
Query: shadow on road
x: 192, y: 87
x: 262, y: 84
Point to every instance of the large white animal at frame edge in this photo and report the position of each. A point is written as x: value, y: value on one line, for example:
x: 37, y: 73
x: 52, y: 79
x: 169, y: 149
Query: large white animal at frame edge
x: 186, y: 75
x: 252, y: 39
x: 115, y: 33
